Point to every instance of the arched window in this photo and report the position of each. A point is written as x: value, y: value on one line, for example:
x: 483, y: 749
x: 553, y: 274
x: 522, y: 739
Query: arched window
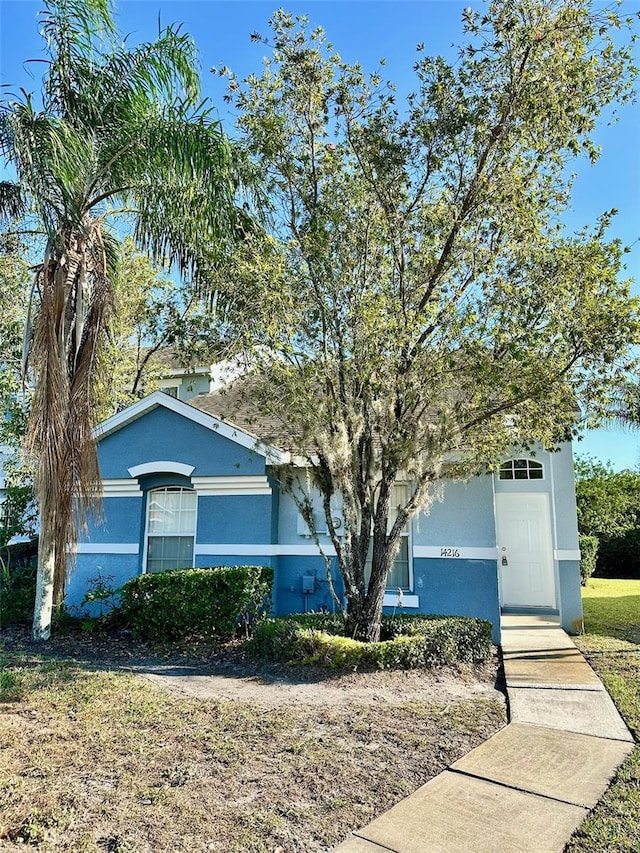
x: 171, y: 527
x: 521, y: 469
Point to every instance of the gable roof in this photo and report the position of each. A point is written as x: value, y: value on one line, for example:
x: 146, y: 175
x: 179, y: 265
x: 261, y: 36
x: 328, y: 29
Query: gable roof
x: 234, y: 405
x: 219, y: 425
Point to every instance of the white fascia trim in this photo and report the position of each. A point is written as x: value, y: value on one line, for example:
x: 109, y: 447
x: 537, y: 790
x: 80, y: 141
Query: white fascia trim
x: 107, y: 548
x: 120, y: 488
x: 161, y: 467
x: 454, y: 552
x: 235, y: 434
x: 566, y: 554
x: 187, y: 371
x: 391, y: 600
x: 243, y: 485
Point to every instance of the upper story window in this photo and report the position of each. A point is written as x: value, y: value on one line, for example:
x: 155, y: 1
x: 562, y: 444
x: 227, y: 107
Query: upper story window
x: 171, y: 527
x: 171, y: 390
x: 521, y: 469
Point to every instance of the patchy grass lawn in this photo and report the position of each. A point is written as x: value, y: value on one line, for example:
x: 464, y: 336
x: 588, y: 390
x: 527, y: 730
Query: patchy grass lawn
x: 612, y: 646
x: 96, y: 760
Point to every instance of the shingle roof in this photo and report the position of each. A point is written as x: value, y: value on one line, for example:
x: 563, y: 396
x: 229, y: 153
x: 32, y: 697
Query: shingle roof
x: 233, y: 404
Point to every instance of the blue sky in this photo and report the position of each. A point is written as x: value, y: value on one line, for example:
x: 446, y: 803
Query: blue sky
x: 365, y: 31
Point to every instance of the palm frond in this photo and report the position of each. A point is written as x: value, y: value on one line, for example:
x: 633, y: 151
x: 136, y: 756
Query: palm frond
x: 74, y: 31
x: 182, y: 190
x: 12, y: 202
x: 52, y: 161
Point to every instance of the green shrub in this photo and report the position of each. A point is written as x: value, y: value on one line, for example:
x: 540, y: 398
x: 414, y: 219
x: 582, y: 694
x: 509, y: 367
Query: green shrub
x: 588, y: 556
x: 407, y: 642
x: 17, y: 593
x: 619, y: 556
x: 182, y: 603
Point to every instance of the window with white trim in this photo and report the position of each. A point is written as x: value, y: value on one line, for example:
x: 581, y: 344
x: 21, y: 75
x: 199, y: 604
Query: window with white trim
x: 399, y: 576
x: 521, y: 469
x: 171, y: 527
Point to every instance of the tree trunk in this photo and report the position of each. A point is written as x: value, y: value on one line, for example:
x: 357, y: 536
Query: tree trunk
x: 364, y: 615
x: 42, y: 611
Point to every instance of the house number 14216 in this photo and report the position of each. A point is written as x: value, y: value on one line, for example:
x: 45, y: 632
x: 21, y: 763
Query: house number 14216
x: 449, y: 552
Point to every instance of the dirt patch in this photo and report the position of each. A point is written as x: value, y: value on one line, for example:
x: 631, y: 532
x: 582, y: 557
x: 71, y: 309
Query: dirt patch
x: 272, y: 690
x: 227, y: 672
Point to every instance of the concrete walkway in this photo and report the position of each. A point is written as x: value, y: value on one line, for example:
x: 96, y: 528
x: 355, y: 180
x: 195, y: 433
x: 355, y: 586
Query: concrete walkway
x: 527, y: 788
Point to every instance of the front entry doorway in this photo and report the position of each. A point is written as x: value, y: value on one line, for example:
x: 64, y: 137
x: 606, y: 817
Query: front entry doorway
x: 525, y: 551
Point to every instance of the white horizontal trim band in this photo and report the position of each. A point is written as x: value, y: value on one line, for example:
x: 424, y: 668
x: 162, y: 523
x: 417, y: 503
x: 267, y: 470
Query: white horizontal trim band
x: 161, y: 467
x: 246, y: 485
x: 234, y: 549
x: 120, y: 488
x: 391, y: 600
x: 454, y: 552
x: 107, y: 548
x: 566, y: 555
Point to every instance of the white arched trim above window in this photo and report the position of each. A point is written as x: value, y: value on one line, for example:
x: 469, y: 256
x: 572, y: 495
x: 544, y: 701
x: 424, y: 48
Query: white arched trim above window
x: 161, y: 467
x: 521, y: 469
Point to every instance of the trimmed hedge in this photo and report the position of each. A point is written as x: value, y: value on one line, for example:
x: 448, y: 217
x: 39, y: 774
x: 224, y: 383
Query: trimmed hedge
x: 407, y: 642
x: 181, y: 603
x: 588, y: 556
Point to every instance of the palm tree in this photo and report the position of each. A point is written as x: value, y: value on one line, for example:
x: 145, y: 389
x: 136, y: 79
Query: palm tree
x: 119, y: 142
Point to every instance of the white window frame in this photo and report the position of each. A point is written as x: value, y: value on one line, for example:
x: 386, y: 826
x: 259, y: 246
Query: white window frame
x: 166, y: 385
x: 532, y: 465
x: 408, y: 535
x: 145, y: 550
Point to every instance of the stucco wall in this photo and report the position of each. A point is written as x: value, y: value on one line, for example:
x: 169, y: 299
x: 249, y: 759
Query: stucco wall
x: 453, y: 545
x: 166, y: 435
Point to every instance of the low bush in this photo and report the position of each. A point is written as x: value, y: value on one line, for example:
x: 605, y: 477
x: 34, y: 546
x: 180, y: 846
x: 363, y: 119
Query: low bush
x: 18, y: 583
x: 619, y: 555
x: 407, y: 642
x: 588, y: 556
x: 183, y: 603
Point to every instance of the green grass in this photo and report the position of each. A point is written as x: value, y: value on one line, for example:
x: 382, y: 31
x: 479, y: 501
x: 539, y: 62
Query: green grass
x: 612, y: 608
x: 611, y: 644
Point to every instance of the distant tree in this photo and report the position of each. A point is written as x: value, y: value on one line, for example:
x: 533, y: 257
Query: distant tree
x: 609, y: 508
x: 608, y: 500
x: 14, y: 287
x: 156, y: 322
x: 120, y: 139
x: 16, y: 504
x: 414, y: 305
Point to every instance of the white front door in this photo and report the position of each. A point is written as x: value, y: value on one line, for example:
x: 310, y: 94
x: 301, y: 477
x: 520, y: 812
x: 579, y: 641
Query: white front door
x: 525, y: 552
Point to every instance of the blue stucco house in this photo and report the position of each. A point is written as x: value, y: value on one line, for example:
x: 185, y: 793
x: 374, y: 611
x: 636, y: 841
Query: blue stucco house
x: 183, y: 486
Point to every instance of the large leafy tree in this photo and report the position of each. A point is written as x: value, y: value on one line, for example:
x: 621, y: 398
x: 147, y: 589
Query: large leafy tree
x: 414, y: 303
x: 119, y: 140
x: 156, y: 323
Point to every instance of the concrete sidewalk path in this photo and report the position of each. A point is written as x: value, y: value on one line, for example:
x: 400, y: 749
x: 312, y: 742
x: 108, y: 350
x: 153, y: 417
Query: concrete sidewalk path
x: 527, y: 788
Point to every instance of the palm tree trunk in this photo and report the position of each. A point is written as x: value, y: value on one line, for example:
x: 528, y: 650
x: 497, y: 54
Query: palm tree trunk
x: 44, y: 588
